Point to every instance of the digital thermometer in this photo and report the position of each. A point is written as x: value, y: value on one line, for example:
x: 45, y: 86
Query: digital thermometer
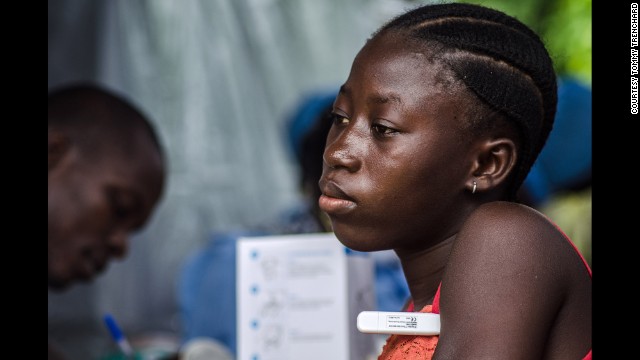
x: 402, y: 323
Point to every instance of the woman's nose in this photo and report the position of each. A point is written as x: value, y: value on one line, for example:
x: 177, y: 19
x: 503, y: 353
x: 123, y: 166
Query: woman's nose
x: 343, y: 149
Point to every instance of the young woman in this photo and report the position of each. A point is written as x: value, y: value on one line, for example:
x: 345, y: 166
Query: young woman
x: 444, y: 112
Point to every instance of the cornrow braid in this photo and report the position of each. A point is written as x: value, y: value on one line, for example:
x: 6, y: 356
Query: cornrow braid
x: 499, y: 59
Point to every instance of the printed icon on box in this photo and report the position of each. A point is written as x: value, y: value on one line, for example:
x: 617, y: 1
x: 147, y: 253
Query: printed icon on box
x: 269, y: 268
x: 274, y: 303
x: 272, y: 337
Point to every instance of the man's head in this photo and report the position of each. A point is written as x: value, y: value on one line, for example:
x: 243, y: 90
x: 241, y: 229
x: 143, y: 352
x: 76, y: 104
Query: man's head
x: 105, y: 176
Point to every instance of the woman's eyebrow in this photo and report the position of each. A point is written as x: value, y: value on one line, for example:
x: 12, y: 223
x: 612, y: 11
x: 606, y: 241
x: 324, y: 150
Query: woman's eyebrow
x: 383, y: 99
x: 376, y: 98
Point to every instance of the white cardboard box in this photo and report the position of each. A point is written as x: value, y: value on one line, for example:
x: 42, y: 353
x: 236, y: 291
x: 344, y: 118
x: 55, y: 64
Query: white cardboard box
x: 299, y: 297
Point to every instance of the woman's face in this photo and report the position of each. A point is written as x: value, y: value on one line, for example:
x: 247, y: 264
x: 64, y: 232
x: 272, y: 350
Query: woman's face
x: 395, y: 162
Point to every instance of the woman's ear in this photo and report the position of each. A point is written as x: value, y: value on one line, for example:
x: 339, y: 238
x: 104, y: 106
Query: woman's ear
x: 58, y: 146
x: 494, y: 161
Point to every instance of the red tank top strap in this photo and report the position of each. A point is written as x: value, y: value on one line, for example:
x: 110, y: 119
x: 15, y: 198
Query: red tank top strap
x: 574, y: 248
x: 436, y: 301
x: 435, y: 307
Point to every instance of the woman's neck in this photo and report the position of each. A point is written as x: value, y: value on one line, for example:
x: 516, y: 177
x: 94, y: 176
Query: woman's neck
x: 424, y: 269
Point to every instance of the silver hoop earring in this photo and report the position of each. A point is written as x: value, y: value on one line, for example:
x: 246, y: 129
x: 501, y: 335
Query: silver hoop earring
x: 475, y: 185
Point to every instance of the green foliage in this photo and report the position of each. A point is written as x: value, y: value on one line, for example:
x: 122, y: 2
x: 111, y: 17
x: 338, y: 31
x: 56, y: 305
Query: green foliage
x: 567, y: 32
x: 564, y: 25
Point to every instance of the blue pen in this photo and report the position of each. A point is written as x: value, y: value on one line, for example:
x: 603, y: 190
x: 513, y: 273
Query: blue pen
x: 117, y: 335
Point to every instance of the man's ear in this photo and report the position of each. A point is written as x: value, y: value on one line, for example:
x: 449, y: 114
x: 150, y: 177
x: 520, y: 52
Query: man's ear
x: 58, y: 146
x: 494, y: 161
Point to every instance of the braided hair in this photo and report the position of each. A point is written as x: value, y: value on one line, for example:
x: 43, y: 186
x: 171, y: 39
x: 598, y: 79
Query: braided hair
x: 503, y: 62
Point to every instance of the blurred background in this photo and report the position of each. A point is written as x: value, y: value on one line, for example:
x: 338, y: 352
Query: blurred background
x: 218, y: 79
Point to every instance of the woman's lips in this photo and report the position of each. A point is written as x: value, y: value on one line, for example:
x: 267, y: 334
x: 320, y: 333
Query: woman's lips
x: 334, y: 206
x: 334, y: 201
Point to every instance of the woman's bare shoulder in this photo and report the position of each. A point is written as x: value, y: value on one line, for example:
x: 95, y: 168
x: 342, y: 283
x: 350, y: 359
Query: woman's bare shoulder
x: 518, y: 236
x: 510, y: 273
x: 515, y: 245
x: 498, y: 220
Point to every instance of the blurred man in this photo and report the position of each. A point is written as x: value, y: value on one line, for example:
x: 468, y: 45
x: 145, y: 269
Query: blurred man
x: 106, y: 173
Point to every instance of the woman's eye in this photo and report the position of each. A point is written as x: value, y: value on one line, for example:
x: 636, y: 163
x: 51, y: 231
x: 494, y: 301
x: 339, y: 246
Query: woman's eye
x: 382, y: 130
x: 339, y: 119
